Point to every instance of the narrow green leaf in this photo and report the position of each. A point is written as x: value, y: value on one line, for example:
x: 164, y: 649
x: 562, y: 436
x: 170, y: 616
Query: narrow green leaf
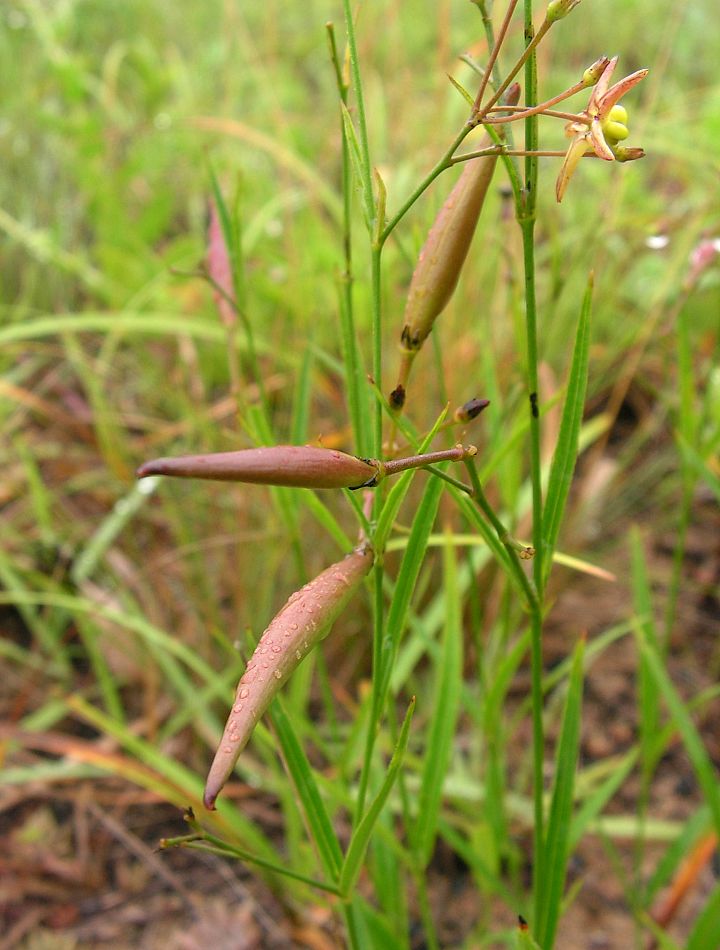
x: 366, y: 200
x: 697, y: 825
x: 463, y: 91
x: 324, y: 517
x: 302, y: 400
x: 380, y: 208
x: 594, y: 803
x: 231, y: 226
x: 361, y: 836
x: 374, y: 931
x: 698, y: 754
x: 120, y: 322
x: 445, y: 710
x: 412, y: 561
x: 699, y: 465
x: 316, y: 816
x: 122, y: 512
x: 706, y: 932
x: 566, y: 450
x: 387, y: 871
x: 557, y: 837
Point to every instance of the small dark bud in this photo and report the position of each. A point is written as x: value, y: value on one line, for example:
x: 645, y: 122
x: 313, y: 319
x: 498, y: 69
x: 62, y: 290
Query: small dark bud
x: 397, y: 397
x: 471, y: 409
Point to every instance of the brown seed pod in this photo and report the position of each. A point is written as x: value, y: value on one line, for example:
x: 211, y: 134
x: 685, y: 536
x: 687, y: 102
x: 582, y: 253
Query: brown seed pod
x: 302, y: 623
x: 443, y: 254
x: 299, y: 466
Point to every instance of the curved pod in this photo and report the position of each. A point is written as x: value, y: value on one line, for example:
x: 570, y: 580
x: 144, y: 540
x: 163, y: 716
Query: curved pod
x: 303, y: 622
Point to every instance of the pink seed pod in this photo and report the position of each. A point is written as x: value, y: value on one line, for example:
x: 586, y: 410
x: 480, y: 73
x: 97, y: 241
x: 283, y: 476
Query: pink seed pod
x: 298, y: 466
x: 443, y: 254
x: 302, y: 623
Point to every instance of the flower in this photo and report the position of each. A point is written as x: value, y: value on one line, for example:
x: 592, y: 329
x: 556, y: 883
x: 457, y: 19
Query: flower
x: 601, y: 127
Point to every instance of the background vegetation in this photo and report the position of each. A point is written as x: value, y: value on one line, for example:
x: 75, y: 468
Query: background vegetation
x: 122, y: 604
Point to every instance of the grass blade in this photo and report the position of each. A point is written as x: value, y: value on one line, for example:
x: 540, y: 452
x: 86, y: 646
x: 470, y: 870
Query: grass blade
x: 412, y: 561
x: 566, y: 450
x: 557, y: 838
x: 706, y: 932
x: 361, y: 837
x: 298, y: 767
x: 697, y: 753
x: 445, y: 709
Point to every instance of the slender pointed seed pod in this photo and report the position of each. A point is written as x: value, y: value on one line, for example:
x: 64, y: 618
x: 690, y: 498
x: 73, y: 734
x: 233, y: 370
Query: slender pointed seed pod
x: 298, y: 466
x: 302, y: 623
x: 444, y: 252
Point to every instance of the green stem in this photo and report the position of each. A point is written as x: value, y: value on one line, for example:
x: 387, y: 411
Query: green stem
x: 351, y: 355
x: 527, y: 226
x: 528, y: 57
x: 377, y: 341
x: 501, y: 150
x: 444, y: 163
x: 455, y: 482
x: 495, y: 45
x: 504, y: 536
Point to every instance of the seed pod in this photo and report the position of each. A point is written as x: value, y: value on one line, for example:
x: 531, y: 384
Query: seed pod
x: 444, y: 252
x: 302, y: 623
x: 299, y: 466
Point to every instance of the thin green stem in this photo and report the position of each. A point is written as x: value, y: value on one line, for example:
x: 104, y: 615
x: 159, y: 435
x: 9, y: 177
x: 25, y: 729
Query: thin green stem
x: 377, y: 341
x: 456, y: 454
x: 351, y: 355
x: 444, y: 163
x: 527, y: 57
x: 504, y: 536
x: 455, y: 482
x: 523, y: 111
x: 527, y: 226
x: 495, y: 46
x: 502, y: 150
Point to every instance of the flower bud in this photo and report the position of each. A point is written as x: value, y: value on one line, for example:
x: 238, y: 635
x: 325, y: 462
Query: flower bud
x: 299, y: 466
x: 443, y: 254
x: 557, y: 9
x: 594, y: 72
x: 302, y: 623
x: 470, y: 410
x: 624, y: 153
